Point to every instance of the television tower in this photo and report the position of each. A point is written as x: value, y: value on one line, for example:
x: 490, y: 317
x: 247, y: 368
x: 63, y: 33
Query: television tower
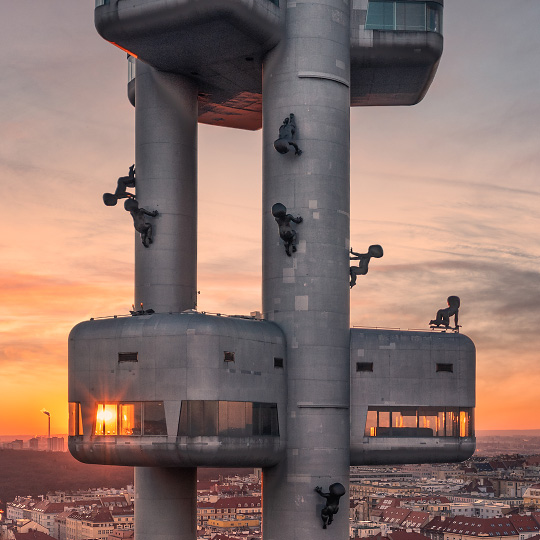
x: 298, y: 393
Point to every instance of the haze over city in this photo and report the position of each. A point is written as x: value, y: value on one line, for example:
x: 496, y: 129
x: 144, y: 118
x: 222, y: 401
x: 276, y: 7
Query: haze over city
x: 449, y: 188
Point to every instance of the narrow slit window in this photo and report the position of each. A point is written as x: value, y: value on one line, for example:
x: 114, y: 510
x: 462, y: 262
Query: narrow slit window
x: 128, y: 357
x: 364, y: 366
x: 449, y: 368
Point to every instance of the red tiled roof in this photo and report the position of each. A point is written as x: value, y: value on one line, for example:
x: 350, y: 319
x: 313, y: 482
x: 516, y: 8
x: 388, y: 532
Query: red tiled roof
x: 473, y: 526
x: 238, y: 502
x: 395, y: 515
x: 32, y: 535
x: 524, y: 523
x: 416, y: 519
x: 404, y: 535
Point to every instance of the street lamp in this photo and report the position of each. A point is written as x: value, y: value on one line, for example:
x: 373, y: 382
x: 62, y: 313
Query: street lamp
x: 45, y: 411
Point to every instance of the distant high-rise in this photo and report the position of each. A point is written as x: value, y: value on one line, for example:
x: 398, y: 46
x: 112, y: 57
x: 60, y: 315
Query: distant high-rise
x: 299, y: 393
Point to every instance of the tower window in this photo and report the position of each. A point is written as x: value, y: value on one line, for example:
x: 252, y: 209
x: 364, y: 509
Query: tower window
x: 128, y: 357
x: 278, y: 362
x: 445, y: 367
x: 228, y: 356
x: 364, y: 366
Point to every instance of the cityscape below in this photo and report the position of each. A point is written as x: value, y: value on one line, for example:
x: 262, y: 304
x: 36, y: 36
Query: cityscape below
x: 493, y: 494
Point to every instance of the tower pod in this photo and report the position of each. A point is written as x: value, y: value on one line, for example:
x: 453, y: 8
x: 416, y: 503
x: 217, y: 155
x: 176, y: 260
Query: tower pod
x: 412, y: 397
x: 177, y: 390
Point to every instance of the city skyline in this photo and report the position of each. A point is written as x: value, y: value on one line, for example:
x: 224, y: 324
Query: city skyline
x: 446, y: 187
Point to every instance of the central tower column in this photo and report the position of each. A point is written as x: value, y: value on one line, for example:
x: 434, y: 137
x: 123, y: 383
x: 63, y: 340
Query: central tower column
x: 308, y: 294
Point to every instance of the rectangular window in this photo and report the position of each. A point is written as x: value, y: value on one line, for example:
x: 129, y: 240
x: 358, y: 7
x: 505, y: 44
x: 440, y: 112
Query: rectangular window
x: 364, y: 366
x: 130, y: 418
x: 75, y: 419
x: 228, y: 419
x: 380, y: 16
x: 445, y: 367
x: 106, y: 419
x: 128, y: 357
x: 451, y: 423
x: 427, y: 422
x: 154, y: 418
x: 465, y: 423
x: 278, y: 362
x: 228, y: 356
x: 419, y: 422
x: 371, y: 424
x: 399, y: 15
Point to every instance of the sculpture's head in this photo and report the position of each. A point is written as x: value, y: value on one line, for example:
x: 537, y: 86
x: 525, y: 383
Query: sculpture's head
x: 279, y: 210
x: 131, y: 205
x: 281, y: 145
x: 109, y: 199
x: 337, y: 489
x: 453, y: 302
x: 375, y: 251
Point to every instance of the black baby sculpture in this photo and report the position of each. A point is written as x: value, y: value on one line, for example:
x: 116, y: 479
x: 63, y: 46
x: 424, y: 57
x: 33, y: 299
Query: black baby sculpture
x: 286, y: 232
x: 443, y: 315
x: 110, y: 199
x: 364, y: 258
x: 335, y: 491
x: 287, y: 134
x: 140, y: 223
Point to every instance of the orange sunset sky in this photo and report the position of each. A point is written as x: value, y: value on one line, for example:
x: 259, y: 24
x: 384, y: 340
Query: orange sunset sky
x: 450, y: 189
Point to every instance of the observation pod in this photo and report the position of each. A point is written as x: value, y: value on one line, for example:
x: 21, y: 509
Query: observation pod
x: 412, y: 397
x: 177, y: 390
x: 217, y: 44
x: 221, y: 44
x: 395, y: 50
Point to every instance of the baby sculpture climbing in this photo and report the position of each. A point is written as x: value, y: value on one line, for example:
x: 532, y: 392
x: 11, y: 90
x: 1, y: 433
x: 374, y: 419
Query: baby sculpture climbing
x: 335, y: 491
x: 364, y: 258
x: 110, y: 199
x: 286, y: 232
x: 287, y: 134
x: 140, y: 223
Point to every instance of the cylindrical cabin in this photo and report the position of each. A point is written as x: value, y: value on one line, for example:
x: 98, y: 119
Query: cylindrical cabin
x: 412, y: 397
x: 395, y: 50
x: 180, y: 390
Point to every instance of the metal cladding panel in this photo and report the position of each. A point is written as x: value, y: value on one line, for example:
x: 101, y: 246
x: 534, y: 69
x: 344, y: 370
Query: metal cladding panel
x: 408, y: 368
x: 178, y: 357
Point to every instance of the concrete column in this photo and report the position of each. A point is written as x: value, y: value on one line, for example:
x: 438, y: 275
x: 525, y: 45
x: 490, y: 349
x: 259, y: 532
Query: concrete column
x: 165, y: 503
x: 166, y: 272
x: 166, y: 172
x: 308, y: 294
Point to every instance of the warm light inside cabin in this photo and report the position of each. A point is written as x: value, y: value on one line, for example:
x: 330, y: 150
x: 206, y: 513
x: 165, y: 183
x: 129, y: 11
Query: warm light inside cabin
x: 106, y: 419
x: 130, y: 418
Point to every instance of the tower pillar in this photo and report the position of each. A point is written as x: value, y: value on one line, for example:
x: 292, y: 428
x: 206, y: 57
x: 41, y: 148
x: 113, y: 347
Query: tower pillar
x: 166, y: 175
x: 166, y: 271
x: 165, y: 503
x: 307, y: 294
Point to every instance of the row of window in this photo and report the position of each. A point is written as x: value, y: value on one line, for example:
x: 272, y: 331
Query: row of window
x: 402, y: 15
x: 228, y: 419
x: 197, y: 419
x: 419, y: 422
